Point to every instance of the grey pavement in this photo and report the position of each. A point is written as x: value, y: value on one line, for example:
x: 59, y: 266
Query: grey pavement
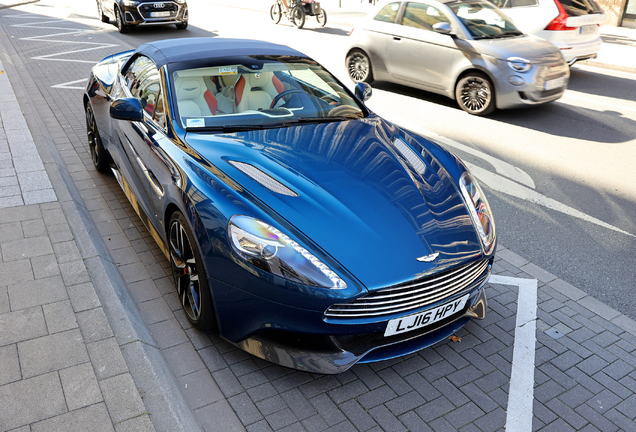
x: 93, y: 337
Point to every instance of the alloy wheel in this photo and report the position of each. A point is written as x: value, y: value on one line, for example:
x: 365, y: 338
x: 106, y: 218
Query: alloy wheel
x: 474, y: 95
x: 358, y: 67
x: 184, y: 271
x: 95, y: 146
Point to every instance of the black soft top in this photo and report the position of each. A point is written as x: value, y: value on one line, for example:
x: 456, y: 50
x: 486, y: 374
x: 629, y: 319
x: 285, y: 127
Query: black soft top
x: 178, y: 50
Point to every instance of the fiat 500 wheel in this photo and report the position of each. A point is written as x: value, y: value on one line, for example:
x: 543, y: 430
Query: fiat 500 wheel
x: 475, y: 94
x: 189, y: 274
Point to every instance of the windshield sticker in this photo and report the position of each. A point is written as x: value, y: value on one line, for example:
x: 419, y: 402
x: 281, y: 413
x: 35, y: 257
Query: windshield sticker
x: 195, y: 122
x: 228, y: 70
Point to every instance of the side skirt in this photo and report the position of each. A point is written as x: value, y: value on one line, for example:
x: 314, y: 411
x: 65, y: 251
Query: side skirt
x: 142, y: 214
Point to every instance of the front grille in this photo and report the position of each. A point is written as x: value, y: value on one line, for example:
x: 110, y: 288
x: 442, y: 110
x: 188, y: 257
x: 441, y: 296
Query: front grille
x: 145, y: 9
x: 413, y: 295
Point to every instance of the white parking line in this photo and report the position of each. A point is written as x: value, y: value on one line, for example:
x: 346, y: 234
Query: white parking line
x: 50, y: 38
x: 521, y: 393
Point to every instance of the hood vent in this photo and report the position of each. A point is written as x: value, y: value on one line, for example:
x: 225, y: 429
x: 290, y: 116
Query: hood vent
x: 264, y: 179
x: 413, y: 158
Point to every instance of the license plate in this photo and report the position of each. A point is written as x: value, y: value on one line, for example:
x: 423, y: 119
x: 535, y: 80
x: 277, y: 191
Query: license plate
x: 588, y: 29
x: 555, y: 83
x: 414, y: 322
x: 159, y: 14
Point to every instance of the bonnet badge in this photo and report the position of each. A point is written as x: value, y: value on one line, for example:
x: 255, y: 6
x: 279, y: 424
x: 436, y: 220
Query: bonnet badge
x: 428, y: 258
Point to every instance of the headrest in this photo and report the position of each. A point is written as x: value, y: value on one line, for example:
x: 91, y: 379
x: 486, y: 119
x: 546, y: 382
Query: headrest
x: 259, y: 79
x: 190, y: 88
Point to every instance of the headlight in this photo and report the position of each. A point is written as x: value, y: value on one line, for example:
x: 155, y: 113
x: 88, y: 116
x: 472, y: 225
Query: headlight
x: 479, y: 210
x: 130, y: 3
x: 267, y: 248
x: 181, y: 1
x: 519, y: 64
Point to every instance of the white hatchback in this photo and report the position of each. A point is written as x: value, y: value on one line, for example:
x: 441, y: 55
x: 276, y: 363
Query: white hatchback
x: 572, y: 25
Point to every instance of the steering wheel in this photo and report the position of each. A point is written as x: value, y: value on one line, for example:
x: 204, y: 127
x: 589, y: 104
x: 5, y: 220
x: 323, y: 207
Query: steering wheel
x: 342, y: 110
x: 279, y: 96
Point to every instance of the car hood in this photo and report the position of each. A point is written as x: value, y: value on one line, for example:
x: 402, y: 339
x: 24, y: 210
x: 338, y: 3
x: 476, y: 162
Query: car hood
x: 531, y: 48
x: 358, y: 199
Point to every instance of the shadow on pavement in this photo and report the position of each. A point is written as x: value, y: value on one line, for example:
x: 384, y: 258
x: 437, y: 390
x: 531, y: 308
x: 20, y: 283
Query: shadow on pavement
x: 602, y: 84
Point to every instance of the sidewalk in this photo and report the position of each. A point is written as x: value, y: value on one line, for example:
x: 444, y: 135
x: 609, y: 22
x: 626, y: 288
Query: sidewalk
x: 60, y: 365
x: 63, y: 365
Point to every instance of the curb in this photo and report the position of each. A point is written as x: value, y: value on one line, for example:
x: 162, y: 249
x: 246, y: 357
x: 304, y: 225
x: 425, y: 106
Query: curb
x: 157, y: 384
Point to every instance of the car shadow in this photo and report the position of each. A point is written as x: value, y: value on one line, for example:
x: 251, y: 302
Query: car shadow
x: 558, y: 118
x: 151, y: 33
x: 562, y: 119
x: 329, y: 30
x: 600, y: 84
x: 415, y: 93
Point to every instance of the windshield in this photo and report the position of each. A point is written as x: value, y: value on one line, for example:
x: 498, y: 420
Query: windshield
x: 254, y: 92
x: 484, y: 20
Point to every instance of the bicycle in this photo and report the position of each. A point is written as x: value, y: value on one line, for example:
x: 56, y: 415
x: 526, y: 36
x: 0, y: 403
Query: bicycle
x: 298, y: 10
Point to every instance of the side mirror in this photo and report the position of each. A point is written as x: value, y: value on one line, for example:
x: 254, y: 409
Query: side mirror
x: 363, y: 91
x: 127, y: 109
x: 442, y: 27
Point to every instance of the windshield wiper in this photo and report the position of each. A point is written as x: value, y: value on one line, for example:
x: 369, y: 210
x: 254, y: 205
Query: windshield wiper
x: 316, y: 120
x: 235, y: 128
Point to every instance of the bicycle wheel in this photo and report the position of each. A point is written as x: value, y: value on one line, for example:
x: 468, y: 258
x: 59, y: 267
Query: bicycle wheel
x: 297, y: 14
x: 275, y: 13
x: 322, y: 17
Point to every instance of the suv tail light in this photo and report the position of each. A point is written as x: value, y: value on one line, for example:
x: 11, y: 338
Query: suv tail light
x: 558, y: 23
x: 351, y: 32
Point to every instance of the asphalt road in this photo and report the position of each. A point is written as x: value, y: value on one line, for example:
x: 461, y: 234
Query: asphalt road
x: 564, y: 198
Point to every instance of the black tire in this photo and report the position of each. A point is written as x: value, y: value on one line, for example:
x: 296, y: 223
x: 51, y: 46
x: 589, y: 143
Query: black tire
x: 182, y: 25
x: 322, y: 17
x: 96, y: 148
x: 189, y: 274
x: 100, y: 12
x: 275, y: 13
x: 359, y: 67
x: 475, y: 94
x: 297, y: 14
x: 123, y: 28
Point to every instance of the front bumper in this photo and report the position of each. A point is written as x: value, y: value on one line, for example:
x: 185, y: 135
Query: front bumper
x: 144, y: 13
x: 305, y: 340
x: 533, y: 90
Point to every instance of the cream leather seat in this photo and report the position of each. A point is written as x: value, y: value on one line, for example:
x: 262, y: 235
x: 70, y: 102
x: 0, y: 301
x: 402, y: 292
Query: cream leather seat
x: 191, y: 97
x: 257, y: 91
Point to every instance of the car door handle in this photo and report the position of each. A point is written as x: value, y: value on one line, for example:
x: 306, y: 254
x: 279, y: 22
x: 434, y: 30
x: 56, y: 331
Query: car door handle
x: 395, y: 38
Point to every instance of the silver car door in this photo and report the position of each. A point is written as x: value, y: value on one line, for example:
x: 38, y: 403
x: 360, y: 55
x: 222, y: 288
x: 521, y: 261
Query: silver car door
x: 418, y: 54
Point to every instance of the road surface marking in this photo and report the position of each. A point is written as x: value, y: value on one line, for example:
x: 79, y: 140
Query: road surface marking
x: 521, y: 393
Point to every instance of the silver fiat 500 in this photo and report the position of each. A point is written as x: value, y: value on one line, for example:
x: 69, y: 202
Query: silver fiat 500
x: 468, y: 50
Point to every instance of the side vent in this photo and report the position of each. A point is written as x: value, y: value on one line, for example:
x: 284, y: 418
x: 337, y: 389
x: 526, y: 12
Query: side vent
x: 263, y: 178
x: 413, y: 158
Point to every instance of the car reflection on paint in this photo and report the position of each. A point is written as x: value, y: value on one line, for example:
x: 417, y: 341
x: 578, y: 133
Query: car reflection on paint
x: 303, y: 227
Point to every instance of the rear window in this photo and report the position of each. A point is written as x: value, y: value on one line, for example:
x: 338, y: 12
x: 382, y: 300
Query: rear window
x: 580, y: 7
x: 388, y: 13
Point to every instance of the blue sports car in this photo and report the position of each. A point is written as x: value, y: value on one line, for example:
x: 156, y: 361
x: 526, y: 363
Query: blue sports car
x: 303, y: 227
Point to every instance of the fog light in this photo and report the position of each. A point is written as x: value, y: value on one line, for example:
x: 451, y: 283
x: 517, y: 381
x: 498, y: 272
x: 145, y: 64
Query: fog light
x: 516, y: 80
